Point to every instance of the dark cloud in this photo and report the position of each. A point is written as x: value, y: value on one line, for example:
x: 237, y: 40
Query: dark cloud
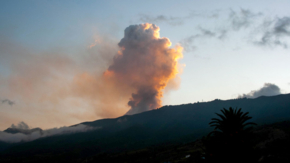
x: 174, y: 20
x: 237, y: 20
x: 9, y: 102
x: 267, y: 90
x: 187, y: 42
x: 204, y: 33
x: 274, y: 32
x: 242, y: 19
x: 21, y: 125
x: 222, y: 34
x: 282, y: 26
x: 162, y: 18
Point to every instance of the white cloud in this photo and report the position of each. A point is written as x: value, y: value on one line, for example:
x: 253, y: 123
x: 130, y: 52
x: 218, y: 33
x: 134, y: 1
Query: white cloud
x: 267, y: 90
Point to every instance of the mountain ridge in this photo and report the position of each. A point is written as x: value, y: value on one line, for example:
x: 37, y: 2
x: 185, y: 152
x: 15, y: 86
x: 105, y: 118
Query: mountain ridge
x: 169, y: 124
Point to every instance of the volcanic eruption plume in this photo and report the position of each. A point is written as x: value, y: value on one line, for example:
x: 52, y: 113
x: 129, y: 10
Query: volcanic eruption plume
x: 145, y: 63
x: 105, y: 82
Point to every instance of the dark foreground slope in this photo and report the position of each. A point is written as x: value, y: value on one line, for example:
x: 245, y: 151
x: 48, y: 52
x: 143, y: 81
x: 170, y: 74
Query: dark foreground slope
x: 271, y: 145
x: 169, y: 124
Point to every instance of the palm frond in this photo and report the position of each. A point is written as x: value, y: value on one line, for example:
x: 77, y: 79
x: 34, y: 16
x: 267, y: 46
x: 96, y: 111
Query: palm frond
x: 231, y: 120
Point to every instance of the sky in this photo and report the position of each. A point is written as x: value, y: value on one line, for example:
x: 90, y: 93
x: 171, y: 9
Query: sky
x: 60, y: 61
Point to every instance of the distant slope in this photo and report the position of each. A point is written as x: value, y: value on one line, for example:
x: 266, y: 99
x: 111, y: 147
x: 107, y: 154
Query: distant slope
x: 264, y: 110
x: 180, y: 123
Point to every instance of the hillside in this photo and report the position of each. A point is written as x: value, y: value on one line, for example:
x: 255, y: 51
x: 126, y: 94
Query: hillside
x: 167, y: 125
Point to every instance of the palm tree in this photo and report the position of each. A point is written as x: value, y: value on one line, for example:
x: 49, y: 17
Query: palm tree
x: 232, y: 138
x: 232, y: 122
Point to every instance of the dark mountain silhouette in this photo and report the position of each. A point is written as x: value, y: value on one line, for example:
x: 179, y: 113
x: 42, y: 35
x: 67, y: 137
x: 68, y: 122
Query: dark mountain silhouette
x: 169, y: 124
x: 23, y: 131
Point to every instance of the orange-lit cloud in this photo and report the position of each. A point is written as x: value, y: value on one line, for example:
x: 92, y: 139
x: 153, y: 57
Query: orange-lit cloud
x: 145, y: 63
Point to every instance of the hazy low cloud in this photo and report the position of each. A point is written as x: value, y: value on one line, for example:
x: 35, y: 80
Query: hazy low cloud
x: 54, y: 84
x: 274, y: 32
x: 15, y: 138
x: 267, y: 90
x: 9, y: 102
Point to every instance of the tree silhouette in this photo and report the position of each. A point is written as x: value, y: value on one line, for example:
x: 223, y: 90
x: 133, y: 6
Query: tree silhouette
x: 232, y: 122
x: 231, y: 139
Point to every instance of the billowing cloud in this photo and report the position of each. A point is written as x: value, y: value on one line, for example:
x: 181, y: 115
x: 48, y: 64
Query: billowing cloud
x: 19, y: 137
x: 145, y: 63
x: 9, y: 102
x: 267, y: 90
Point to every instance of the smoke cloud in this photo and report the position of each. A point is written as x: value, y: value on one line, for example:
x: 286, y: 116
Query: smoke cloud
x: 267, y: 90
x: 19, y: 137
x: 146, y: 63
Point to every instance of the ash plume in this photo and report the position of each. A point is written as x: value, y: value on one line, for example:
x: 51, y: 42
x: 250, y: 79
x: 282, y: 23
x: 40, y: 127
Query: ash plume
x: 146, y: 63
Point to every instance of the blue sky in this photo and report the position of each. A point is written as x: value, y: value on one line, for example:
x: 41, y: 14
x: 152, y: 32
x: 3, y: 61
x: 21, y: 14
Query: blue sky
x: 224, y: 51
